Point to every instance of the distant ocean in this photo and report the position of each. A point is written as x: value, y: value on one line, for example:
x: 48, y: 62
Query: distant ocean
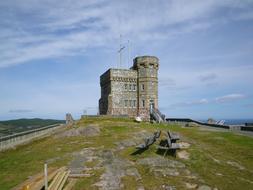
x: 234, y: 121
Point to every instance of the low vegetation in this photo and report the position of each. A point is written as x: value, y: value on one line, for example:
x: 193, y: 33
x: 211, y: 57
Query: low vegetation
x: 216, y: 159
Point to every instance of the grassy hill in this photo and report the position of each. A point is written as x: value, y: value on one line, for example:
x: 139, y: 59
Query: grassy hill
x: 105, y: 151
x: 18, y: 125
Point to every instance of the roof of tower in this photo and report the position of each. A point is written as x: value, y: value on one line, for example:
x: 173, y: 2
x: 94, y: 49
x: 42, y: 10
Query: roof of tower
x: 145, y: 60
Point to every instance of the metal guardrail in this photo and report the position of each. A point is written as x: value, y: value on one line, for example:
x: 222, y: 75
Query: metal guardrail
x: 158, y: 116
x: 187, y: 120
x: 7, y: 137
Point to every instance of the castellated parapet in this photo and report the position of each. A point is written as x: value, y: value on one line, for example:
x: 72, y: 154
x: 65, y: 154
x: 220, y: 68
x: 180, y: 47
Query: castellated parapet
x: 132, y: 92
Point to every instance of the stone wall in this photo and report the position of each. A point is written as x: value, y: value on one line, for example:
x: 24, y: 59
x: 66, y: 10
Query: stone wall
x: 11, y: 141
x: 69, y: 119
x: 124, y: 92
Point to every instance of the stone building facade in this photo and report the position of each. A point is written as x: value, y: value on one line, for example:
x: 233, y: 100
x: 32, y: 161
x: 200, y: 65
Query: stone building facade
x: 132, y: 92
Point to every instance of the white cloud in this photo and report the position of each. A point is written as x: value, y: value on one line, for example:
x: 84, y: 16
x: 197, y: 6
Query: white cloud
x: 48, y: 29
x: 230, y: 97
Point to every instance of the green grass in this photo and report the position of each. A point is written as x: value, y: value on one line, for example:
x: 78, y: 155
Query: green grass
x: 210, y: 155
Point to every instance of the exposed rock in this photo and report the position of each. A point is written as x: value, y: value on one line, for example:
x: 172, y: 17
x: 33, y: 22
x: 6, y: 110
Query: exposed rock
x: 168, y: 187
x: 191, y: 185
x: 125, y: 143
x: 235, y: 164
x: 88, y: 131
x: 115, y: 169
x: 137, y: 138
x: 77, y: 165
x: 165, y: 172
x: 218, y: 174
x: 142, y: 135
x: 133, y: 172
x: 216, y: 160
x: 160, y: 162
x: 204, y: 187
x: 183, y: 155
x: 106, y: 155
x: 161, y: 166
x: 184, y: 145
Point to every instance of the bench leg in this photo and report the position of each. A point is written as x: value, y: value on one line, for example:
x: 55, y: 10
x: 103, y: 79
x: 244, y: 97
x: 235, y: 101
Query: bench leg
x: 165, y: 152
x: 175, y: 153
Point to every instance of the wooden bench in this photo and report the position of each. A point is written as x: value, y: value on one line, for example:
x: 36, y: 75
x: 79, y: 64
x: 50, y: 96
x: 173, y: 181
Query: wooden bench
x: 149, y: 141
x: 169, y: 144
x: 174, y: 137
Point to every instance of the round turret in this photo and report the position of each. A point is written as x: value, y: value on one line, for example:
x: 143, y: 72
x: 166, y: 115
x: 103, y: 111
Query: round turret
x: 146, y: 61
x: 147, y: 68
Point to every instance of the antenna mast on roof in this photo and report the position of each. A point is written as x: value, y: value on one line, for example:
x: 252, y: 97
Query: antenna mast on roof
x: 128, y: 57
x: 121, y: 48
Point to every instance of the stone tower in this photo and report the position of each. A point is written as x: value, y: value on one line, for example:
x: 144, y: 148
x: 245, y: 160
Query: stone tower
x: 147, y: 71
x: 130, y: 92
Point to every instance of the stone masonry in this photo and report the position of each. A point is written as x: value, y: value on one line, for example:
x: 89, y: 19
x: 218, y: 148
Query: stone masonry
x: 130, y: 92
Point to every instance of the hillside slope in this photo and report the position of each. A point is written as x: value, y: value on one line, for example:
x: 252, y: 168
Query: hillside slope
x: 104, y: 150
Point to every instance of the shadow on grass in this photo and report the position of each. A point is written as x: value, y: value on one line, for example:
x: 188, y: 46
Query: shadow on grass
x: 139, y: 151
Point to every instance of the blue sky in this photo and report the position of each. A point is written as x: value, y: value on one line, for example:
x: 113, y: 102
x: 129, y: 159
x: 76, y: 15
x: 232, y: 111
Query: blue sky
x: 52, y: 53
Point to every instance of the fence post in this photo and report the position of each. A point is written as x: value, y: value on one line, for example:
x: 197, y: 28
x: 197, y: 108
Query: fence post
x: 45, y: 173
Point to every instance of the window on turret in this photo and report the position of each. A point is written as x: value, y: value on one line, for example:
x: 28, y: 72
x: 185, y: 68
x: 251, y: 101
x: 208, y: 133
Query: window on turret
x: 142, y: 87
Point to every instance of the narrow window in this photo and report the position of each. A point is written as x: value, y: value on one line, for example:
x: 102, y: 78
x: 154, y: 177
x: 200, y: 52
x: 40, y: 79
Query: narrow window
x: 134, y: 103
x: 125, y: 86
x: 142, y: 87
x: 130, y: 87
x: 134, y: 86
x: 143, y: 103
x: 126, y: 103
x: 130, y: 103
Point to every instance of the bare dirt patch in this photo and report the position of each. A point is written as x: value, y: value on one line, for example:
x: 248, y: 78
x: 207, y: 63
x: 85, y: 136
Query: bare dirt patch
x: 183, y: 155
x: 184, y: 145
